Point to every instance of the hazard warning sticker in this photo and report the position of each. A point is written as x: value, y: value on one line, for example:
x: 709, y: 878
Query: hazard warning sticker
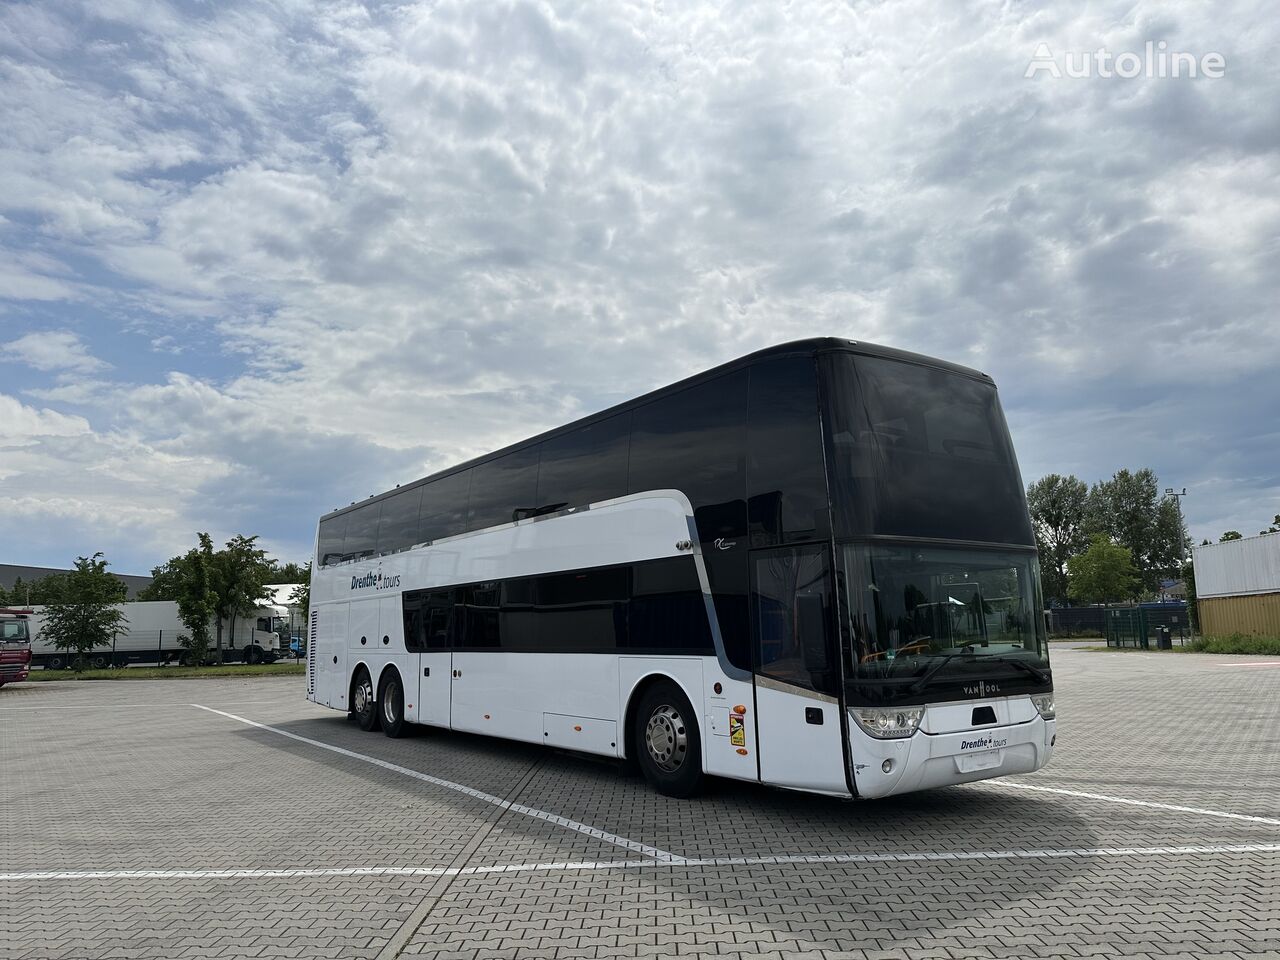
x: 737, y: 732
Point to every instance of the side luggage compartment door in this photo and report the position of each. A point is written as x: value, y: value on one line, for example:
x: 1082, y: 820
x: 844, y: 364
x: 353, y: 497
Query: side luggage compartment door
x: 330, y: 651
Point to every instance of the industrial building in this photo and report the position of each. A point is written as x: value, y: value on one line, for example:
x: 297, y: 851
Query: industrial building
x: 1238, y: 586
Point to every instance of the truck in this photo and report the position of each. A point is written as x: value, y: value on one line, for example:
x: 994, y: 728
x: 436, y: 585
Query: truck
x: 150, y: 633
x: 15, y: 645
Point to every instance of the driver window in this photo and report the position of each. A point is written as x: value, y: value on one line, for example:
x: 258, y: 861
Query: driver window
x: 791, y: 617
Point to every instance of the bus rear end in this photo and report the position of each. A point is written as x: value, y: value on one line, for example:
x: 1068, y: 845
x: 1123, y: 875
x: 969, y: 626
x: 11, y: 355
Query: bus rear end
x: 15, y: 646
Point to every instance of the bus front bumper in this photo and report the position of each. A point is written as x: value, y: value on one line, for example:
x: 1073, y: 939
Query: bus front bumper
x: 923, y: 760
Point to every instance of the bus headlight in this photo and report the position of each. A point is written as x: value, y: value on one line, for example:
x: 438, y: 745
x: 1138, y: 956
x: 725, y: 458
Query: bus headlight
x: 888, y: 722
x: 1044, y: 703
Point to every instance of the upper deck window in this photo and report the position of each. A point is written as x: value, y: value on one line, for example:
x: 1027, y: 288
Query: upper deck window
x: 919, y: 451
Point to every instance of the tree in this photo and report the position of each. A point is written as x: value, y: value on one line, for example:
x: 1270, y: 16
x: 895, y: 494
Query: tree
x: 1103, y: 573
x: 237, y: 579
x: 189, y: 578
x: 164, y: 583
x: 85, y: 615
x: 1275, y: 526
x: 1057, y: 506
x: 300, y: 597
x: 1129, y: 510
x: 1230, y: 535
x: 287, y: 572
x: 1189, y: 582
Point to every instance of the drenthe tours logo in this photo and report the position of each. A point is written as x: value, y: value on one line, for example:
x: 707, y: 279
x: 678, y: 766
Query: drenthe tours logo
x: 375, y: 579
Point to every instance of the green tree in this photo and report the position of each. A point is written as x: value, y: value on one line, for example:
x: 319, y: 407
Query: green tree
x: 1129, y: 510
x: 164, y: 583
x: 1230, y: 535
x: 287, y: 572
x: 1189, y: 581
x: 1103, y: 573
x: 1057, y: 506
x: 85, y: 614
x: 238, y: 580
x: 300, y: 597
x: 189, y: 577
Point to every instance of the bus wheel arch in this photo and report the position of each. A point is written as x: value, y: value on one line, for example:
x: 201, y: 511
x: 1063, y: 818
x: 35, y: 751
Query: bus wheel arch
x: 390, y: 704
x: 683, y: 723
x: 361, y: 699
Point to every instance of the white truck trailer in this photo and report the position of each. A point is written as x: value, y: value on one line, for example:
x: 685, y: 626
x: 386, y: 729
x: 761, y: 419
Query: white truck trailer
x: 150, y: 632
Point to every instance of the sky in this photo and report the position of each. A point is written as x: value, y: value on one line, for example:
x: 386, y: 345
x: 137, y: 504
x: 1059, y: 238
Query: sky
x: 258, y: 260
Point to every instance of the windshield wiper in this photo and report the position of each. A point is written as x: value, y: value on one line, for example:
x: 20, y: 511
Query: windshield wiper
x: 1022, y: 665
x: 932, y: 671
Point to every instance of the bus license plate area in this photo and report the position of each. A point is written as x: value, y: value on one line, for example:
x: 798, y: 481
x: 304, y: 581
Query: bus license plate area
x: 986, y: 760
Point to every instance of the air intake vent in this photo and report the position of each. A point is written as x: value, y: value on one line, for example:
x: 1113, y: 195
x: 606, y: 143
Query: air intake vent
x: 311, y: 654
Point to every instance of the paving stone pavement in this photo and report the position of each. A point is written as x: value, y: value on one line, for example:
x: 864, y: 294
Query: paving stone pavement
x: 113, y: 777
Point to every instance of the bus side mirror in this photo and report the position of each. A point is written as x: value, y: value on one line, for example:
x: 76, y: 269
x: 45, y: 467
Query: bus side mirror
x: 811, y: 624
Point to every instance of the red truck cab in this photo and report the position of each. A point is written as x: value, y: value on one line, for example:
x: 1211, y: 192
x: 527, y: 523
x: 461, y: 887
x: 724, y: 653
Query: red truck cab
x: 15, y: 645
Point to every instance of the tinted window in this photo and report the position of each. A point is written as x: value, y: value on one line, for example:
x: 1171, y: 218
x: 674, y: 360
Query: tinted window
x: 361, y: 538
x: 668, y: 611
x: 480, y: 605
x: 920, y: 451
x: 428, y: 619
x: 443, y: 512
x: 786, y: 478
x: 791, y: 613
x: 330, y: 542
x: 501, y: 487
x: 695, y: 441
x: 586, y: 465
x: 398, y: 523
x: 582, y: 610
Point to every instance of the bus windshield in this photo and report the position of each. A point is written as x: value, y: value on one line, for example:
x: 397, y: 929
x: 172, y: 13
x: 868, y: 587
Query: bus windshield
x: 920, y: 451
x: 960, y: 610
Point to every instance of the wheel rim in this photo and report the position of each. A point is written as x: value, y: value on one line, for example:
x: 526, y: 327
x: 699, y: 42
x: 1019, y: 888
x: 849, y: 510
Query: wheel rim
x: 364, y: 693
x: 389, y: 703
x: 666, y: 738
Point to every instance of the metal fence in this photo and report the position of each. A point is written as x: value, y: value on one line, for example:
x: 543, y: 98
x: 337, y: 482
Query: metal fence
x: 1130, y: 623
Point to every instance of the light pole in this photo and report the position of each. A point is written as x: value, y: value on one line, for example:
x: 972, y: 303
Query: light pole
x: 1182, y: 529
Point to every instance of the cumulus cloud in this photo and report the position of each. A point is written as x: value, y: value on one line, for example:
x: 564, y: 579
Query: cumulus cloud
x: 56, y: 350
x: 354, y: 244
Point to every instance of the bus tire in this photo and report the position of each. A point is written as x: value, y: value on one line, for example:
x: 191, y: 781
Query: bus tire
x: 391, y: 705
x: 668, y: 745
x: 363, y: 706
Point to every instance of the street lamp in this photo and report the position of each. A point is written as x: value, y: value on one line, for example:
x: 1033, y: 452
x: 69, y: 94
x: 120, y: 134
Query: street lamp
x: 1182, y: 527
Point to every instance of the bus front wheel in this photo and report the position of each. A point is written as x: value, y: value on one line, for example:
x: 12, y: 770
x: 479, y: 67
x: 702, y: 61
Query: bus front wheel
x: 362, y: 705
x: 667, y: 743
x: 392, y: 705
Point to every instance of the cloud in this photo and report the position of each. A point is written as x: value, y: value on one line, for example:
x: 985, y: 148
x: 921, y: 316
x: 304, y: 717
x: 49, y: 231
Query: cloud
x: 57, y: 350
x: 352, y: 245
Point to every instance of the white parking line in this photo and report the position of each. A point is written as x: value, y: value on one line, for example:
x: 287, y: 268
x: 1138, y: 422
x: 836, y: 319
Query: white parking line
x: 927, y: 856
x: 1136, y: 803
x: 1258, y: 663
x: 633, y: 845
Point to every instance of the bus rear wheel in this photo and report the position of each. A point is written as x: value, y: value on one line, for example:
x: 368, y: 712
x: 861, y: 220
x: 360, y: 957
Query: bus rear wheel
x: 363, y: 707
x: 667, y: 743
x: 392, y: 705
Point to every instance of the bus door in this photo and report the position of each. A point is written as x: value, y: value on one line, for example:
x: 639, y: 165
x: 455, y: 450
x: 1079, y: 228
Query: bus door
x: 797, y: 707
x: 431, y: 620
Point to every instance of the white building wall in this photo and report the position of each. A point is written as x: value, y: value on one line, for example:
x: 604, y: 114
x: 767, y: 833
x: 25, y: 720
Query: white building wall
x: 1238, y: 567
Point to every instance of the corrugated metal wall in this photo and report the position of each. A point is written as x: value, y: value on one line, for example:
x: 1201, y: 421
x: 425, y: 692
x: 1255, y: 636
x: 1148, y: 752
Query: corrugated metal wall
x: 1257, y: 615
x: 1238, y: 567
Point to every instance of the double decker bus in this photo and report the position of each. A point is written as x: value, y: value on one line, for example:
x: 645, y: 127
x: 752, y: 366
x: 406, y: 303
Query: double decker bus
x: 811, y: 567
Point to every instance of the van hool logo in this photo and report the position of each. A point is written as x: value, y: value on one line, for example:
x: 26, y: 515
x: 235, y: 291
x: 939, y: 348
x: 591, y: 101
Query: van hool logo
x: 375, y: 579
x: 982, y: 689
x: 985, y: 743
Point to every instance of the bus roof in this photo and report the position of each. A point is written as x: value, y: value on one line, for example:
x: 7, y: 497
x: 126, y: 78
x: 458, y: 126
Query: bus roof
x: 807, y: 347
